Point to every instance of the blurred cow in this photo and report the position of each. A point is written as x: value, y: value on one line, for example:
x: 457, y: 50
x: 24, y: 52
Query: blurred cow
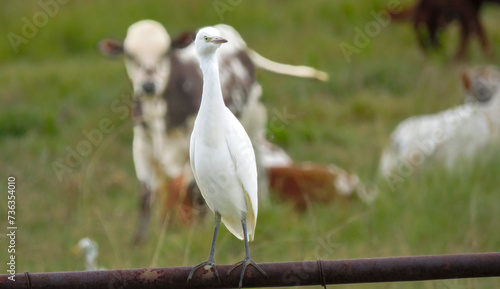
x: 459, y: 132
x: 301, y: 185
x: 167, y: 83
x: 429, y: 17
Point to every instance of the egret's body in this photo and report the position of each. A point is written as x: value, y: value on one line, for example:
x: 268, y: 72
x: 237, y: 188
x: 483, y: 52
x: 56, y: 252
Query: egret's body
x: 222, y: 157
x: 223, y: 163
x: 91, y: 250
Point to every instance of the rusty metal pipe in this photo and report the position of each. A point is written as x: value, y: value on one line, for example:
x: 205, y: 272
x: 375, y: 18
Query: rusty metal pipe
x: 288, y: 274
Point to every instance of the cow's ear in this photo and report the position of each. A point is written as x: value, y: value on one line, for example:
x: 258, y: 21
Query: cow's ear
x: 183, y: 40
x: 466, y: 81
x: 110, y: 47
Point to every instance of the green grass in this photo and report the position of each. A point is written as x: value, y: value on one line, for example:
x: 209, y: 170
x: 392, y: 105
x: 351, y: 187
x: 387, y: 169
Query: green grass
x: 57, y: 85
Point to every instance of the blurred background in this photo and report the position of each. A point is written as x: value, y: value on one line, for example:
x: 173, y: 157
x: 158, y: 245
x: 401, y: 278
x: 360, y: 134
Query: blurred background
x: 55, y: 84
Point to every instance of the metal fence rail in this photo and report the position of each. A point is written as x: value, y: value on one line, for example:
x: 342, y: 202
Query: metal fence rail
x: 288, y: 274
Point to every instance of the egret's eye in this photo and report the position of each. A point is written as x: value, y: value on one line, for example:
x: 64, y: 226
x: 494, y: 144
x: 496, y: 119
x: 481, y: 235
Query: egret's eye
x: 207, y: 38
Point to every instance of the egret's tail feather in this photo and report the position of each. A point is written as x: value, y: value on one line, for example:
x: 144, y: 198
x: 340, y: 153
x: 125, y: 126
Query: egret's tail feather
x: 234, y: 226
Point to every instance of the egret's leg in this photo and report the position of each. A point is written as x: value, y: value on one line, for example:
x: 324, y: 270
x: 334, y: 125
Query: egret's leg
x: 248, y: 260
x: 211, y: 261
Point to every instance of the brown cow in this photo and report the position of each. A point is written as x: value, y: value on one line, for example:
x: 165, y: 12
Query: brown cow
x: 430, y: 17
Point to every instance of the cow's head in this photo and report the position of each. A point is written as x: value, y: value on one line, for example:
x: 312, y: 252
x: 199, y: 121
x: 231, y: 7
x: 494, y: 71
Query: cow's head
x: 480, y: 83
x: 145, y: 48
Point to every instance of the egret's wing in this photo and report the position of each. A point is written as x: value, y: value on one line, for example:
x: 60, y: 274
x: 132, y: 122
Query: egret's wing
x: 191, y: 157
x: 242, y: 153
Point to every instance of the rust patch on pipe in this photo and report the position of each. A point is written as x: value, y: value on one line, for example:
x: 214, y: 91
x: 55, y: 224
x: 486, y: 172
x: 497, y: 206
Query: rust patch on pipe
x: 150, y: 275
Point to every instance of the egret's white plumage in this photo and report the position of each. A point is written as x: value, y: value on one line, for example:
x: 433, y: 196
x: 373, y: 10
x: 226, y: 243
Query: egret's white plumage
x: 91, y: 250
x: 222, y: 156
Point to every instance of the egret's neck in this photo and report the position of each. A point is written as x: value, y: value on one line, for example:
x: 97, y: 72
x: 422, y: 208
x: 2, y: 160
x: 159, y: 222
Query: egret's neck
x: 212, y: 93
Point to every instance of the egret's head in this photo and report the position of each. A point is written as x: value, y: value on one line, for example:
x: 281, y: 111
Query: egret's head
x: 208, y: 40
x: 87, y: 246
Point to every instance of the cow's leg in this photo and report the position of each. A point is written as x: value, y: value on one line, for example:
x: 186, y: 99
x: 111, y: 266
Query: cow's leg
x: 254, y: 119
x: 483, y: 38
x: 465, y: 31
x: 146, y: 173
x: 142, y: 228
x: 469, y: 24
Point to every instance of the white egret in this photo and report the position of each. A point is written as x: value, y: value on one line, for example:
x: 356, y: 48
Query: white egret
x: 91, y: 250
x: 222, y: 158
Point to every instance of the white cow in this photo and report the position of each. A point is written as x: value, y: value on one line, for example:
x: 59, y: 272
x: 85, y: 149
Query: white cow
x: 447, y: 136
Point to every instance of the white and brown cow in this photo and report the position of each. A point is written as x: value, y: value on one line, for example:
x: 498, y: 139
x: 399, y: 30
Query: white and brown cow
x: 447, y: 136
x: 167, y: 84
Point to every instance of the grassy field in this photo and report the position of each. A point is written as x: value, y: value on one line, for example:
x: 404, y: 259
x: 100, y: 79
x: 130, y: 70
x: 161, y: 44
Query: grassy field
x: 56, y: 85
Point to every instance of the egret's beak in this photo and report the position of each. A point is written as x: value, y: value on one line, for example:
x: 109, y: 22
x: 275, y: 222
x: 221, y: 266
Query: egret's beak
x: 75, y: 250
x: 218, y: 40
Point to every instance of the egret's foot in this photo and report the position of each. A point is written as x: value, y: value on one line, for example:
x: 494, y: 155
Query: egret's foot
x: 245, y: 262
x: 209, y: 263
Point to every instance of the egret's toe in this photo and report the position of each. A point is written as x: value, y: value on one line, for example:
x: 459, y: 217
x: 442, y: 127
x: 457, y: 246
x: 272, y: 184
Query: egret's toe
x: 245, y: 262
x: 209, y: 263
